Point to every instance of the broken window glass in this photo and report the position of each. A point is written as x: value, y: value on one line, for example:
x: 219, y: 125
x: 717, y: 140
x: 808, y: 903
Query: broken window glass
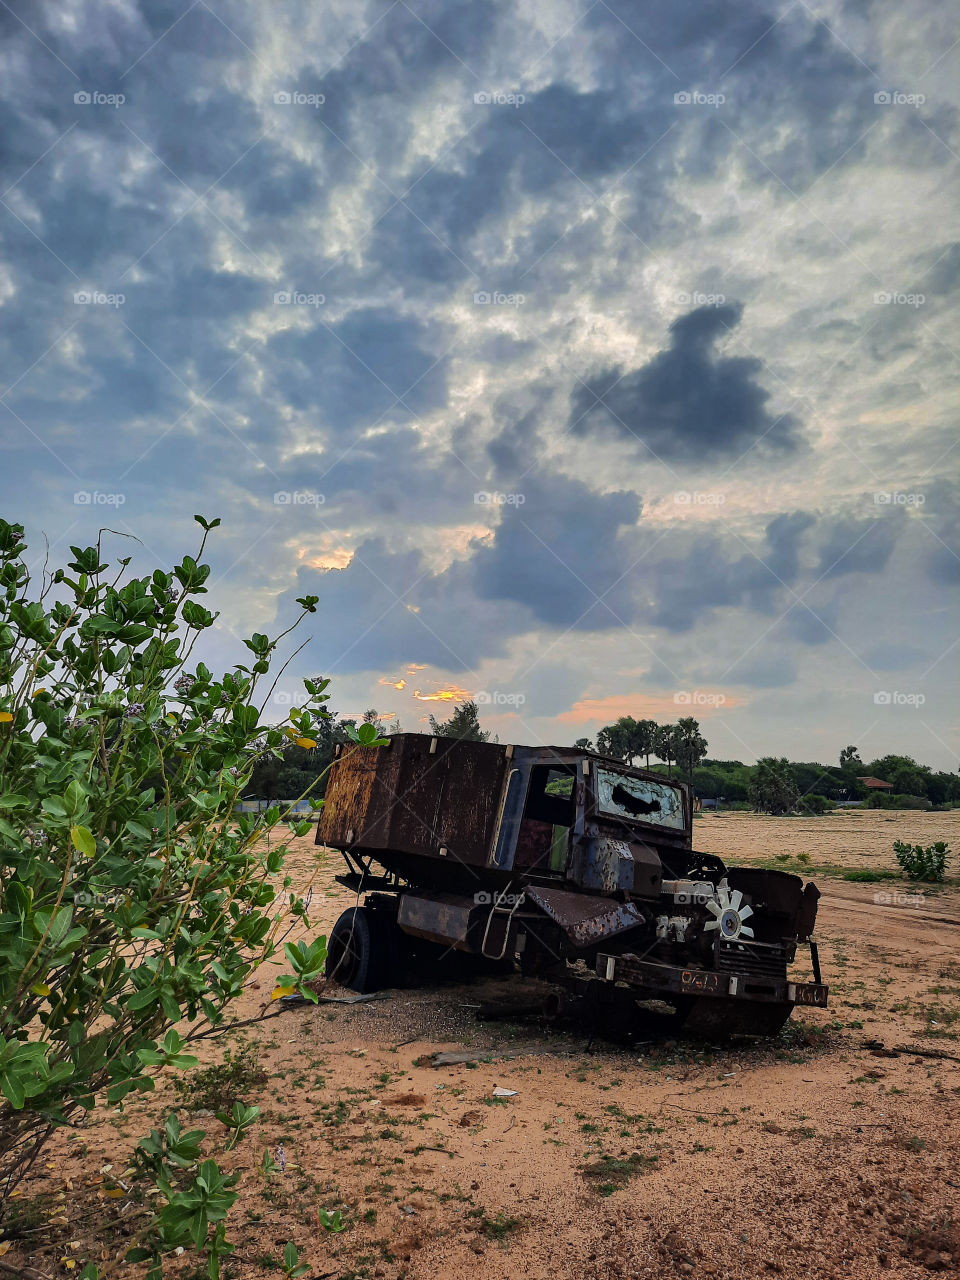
x: 639, y: 800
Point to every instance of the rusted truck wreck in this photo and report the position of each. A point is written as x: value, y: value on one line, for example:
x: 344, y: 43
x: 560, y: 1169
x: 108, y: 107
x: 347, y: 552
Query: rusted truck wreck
x: 564, y: 864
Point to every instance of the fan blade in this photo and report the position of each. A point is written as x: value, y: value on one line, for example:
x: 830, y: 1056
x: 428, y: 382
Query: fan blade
x: 746, y: 931
x: 711, y: 924
x: 716, y: 909
x: 746, y: 913
x: 735, y: 899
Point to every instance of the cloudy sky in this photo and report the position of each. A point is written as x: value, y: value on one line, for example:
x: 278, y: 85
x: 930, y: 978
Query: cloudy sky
x: 592, y: 358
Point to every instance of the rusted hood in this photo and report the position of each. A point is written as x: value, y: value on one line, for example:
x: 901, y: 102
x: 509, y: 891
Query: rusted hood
x: 586, y: 918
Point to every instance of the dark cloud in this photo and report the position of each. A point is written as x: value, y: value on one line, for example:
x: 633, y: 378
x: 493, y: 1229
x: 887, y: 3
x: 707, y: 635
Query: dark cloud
x: 689, y: 402
x: 565, y: 552
x: 858, y: 546
x: 893, y: 656
x: 697, y: 572
x: 941, y: 519
x: 760, y: 668
x: 372, y: 363
x: 943, y: 271
x: 812, y: 623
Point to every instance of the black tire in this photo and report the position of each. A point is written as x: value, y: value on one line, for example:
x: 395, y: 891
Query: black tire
x: 363, y: 951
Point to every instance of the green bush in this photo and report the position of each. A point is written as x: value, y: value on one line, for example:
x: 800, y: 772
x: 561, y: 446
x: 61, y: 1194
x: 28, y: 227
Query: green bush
x: 772, y: 788
x: 923, y: 862
x: 131, y: 897
x: 887, y: 800
x: 814, y: 804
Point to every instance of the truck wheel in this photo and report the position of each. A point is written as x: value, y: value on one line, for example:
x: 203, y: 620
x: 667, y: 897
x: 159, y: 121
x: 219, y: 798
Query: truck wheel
x: 362, y: 951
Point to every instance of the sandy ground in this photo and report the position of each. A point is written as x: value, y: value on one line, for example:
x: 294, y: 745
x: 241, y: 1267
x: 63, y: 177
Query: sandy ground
x: 811, y: 1154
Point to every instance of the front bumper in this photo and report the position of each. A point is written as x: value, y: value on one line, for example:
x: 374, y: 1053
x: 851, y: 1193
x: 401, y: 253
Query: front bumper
x: 652, y: 979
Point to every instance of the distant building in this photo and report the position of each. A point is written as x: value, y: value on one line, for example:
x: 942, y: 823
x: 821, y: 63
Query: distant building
x: 876, y: 784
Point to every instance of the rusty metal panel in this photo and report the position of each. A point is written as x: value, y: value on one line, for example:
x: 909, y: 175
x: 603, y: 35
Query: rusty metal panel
x: 357, y: 801
x: 421, y: 795
x: 585, y: 918
x: 442, y: 917
x: 447, y: 798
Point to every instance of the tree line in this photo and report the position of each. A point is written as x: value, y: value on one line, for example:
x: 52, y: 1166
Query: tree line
x: 681, y: 744
x: 772, y: 785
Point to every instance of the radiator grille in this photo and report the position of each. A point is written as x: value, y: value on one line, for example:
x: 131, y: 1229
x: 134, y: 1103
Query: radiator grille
x: 743, y: 957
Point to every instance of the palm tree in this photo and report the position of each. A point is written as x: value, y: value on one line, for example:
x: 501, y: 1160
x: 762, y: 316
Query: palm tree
x: 665, y: 745
x: 616, y: 740
x: 644, y: 736
x: 690, y: 745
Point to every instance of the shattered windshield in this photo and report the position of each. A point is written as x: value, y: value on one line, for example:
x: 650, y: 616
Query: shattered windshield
x: 639, y: 800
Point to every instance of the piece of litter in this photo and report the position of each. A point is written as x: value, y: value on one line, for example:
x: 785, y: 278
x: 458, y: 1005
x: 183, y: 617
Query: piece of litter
x: 728, y: 1075
x: 408, y: 1210
x: 504, y: 1093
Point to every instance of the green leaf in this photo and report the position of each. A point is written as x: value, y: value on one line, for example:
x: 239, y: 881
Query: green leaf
x: 84, y: 841
x: 74, y: 798
x: 11, y: 1086
x: 14, y: 801
x: 18, y: 899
